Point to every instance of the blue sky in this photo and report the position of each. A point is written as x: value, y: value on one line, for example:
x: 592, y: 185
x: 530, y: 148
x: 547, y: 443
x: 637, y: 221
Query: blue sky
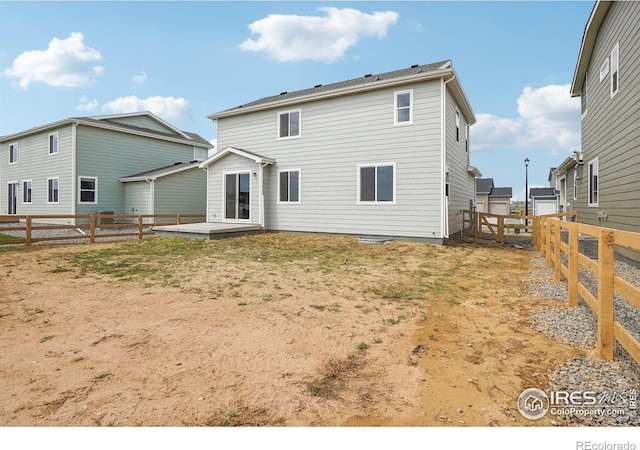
x: 185, y: 60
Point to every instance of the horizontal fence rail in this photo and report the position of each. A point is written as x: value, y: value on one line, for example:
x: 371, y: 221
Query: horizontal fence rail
x: 88, y: 226
x: 560, y: 242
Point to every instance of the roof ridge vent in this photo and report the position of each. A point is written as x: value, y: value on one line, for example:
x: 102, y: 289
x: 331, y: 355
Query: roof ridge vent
x: 414, y: 66
x: 283, y: 93
x: 317, y: 86
x: 368, y: 75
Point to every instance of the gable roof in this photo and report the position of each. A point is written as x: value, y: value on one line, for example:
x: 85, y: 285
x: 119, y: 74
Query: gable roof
x: 542, y: 192
x: 441, y: 69
x: 161, y: 172
x: 591, y: 30
x: 484, y: 185
x: 501, y: 192
x: 110, y: 122
x: 259, y: 159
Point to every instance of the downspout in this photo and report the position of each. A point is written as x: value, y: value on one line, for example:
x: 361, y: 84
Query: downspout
x: 74, y: 194
x: 152, y: 194
x: 443, y: 159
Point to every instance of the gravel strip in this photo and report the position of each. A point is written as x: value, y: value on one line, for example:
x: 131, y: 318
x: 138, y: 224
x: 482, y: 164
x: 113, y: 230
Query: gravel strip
x: 613, y: 382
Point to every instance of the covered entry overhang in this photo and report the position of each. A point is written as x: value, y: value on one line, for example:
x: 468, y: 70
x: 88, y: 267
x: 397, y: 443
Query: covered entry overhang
x: 237, y: 177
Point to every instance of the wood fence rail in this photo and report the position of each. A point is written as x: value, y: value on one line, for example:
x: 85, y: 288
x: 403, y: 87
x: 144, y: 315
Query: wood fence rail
x: 558, y: 240
x: 89, y: 223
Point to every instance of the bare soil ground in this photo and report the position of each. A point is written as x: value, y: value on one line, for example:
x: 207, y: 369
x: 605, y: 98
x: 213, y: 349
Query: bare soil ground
x: 269, y: 330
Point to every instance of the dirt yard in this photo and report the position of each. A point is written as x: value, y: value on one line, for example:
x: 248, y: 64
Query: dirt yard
x: 269, y: 330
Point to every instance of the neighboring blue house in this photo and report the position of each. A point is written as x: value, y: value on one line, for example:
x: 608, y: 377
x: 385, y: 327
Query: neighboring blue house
x: 75, y: 167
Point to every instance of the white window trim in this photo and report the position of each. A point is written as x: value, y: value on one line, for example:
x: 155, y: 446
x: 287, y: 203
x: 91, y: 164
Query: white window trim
x: 15, y: 144
x: 604, y: 69
x: 24, y: 190
x: 616, y: 50
x: 289, y: 202
x: 376, y: 202
x: 395, y: 108
x: 80, y: 202
x: 575, y: 184
x: 595, y: 163
x: 49, y: 143
x: 224, y: 196
x: 299, y: 111
x: 48, y: 192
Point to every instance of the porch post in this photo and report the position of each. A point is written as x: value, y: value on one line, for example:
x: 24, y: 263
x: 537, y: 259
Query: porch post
x: 261, y: 193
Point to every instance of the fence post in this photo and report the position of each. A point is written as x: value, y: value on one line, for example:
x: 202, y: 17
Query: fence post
x: 92, y: 228
x: 605, y: 294
x: 557, y: 254
x: 477, y: 225
x: 548, y: 250
x: 140, y: 222
x: 573, y: 264
x: 27, y: 231
x: 501, y: 229
x: 178, y: 219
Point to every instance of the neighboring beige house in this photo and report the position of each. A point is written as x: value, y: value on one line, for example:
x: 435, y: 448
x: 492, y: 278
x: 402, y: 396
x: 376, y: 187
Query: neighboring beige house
x: 491, y: 199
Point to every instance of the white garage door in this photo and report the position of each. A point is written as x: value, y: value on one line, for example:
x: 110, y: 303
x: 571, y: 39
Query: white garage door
x: 542, y: 207
x: 501, y: 208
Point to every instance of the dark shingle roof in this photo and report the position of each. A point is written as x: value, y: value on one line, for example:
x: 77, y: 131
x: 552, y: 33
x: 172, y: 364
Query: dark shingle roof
x: 369, y: 78
x: 542, y: 192
x: 484, y: 185
x: 501, y: 191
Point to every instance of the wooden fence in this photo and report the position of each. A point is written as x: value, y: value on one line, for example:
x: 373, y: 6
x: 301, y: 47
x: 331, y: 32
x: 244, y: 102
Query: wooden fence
x: 500, y: 227
x: 559, y: 241
x: 88, y: 225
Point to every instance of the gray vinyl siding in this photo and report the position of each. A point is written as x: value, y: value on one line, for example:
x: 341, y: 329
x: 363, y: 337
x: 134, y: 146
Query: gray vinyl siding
x: 110, y: 155
x: 337, y: 135
x: 35, y: 164
x: 462, y: 184
x: 611, y: 126
x: 215, y: 187
x: 137, y: 197
x: 181, y: 193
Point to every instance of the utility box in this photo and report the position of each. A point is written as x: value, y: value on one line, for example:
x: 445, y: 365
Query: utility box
x: 104, y: 220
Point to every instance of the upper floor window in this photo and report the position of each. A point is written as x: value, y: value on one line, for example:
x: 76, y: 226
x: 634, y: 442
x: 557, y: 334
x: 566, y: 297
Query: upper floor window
x: 53, y: 143
x: 593, y: 183
x: 13, y: 153
x: 457, y: 126
x: 289, y: 186
x: 376, y: 183
x: 583, y: 96
x: 403, y: 107
x: 289, y: 124
x: 615, y: 79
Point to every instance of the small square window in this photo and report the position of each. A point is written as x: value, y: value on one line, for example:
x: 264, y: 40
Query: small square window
x: 88, y: 192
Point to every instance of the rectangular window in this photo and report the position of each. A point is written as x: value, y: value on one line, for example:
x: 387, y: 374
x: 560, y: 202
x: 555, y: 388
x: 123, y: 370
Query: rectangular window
x: 457, y: 126
x: 575, y: 184
x: 583, y: 97
x: 53, y: 191
x: 289, y: 186
x: 289, y: 124
x: 26, y: 191
x: 615, y: 79
x: 53, y: 143
x: 13, y: 153
x: 88, y: 192
x: 376, y: 183
x: 403, y: 101
x: 593, y: 183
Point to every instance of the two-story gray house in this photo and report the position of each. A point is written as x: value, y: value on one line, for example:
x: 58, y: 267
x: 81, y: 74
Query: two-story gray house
x: 378, y: 155
x: 603, y: 178
x: 123, y: 163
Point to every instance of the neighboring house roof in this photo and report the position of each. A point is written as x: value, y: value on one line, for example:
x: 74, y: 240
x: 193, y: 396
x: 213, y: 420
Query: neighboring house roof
x: 542, y: 192
x: 442, y: 69
x: 591, y: 30
x: 259, y: 159
x: 501, y: 192
x: 484, y: 185
x: 109, y: 122
x: 161, y: 172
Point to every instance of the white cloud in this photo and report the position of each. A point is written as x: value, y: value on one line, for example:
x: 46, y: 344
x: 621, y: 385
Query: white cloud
x: 168, y: 108
x: 66, y: 63
x: 327, y: 38
x: 548, y: 117
x: 140, y: 78
x: 86, y: 104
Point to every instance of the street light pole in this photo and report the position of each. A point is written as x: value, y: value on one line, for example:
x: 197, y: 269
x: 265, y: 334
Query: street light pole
x: 526, y: 191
